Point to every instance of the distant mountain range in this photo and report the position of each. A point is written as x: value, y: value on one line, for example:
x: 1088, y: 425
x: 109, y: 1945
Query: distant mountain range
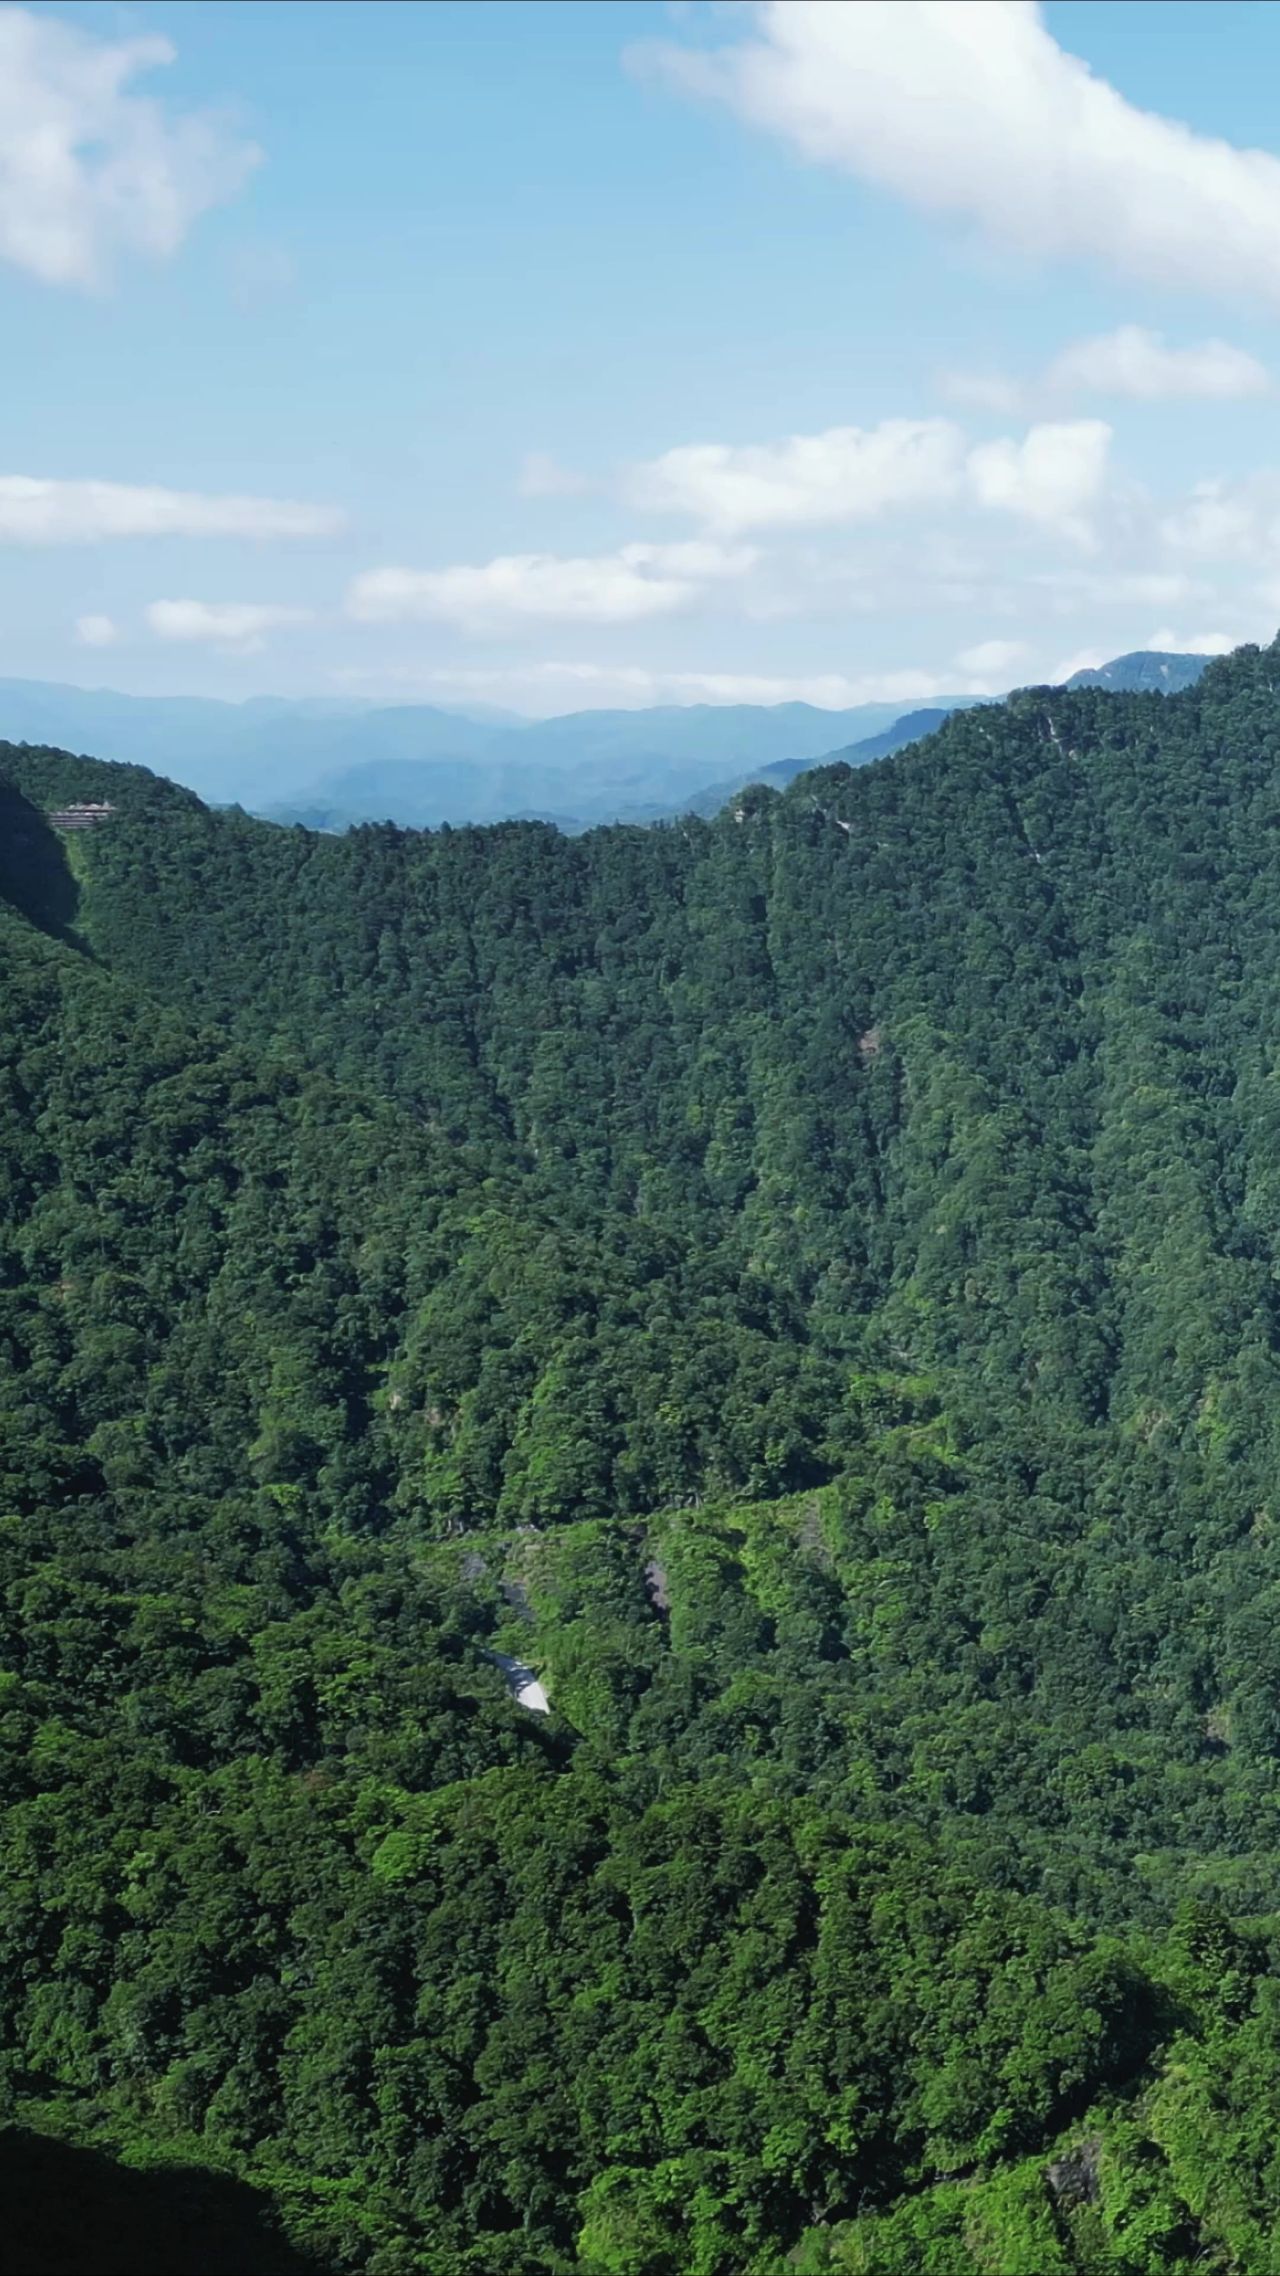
x: 584, y: 768
x: 331, y: 763
x: 328, y: 764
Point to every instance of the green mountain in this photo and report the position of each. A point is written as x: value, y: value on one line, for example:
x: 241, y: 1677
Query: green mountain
x: 908, y: 729
x: 911, y: 728
x: 804, y: 1284
x: 1144, y: 672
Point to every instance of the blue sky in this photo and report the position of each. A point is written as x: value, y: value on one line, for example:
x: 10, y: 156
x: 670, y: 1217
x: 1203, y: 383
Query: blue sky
x: 560, y: 355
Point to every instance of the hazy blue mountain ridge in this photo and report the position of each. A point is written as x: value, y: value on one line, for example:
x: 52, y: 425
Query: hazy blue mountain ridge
x: 330, y: 762
x: 583, y: 768
x: 275, y: 755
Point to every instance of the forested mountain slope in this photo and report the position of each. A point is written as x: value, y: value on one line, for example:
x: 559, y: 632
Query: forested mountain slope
x: 808, y: 1280
x: 1146, y: 671
x: 908, y: 729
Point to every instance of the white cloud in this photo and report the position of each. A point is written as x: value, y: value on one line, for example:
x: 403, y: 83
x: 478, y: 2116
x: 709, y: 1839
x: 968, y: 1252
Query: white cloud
x: 991, y: 659
x: 1084, y: 660
x: 1167, y: 642
x: 1136, y: 362
x: 695, y: 556
x: 239, y: 625
x: 90, y: 171
x: 542, y: 476
x: 1054, y: 476
x: 970, y: 108
x: 609, y: 588
x: 1130, y: 361
x: 39, y: 512
x: 1228, y: 521
x: 847, y: 474
x: 97, y: 631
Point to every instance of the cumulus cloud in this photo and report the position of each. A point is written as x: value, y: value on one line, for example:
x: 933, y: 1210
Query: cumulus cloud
x: 1219, y: 521
x: 97, y: 631
x: 1054, y: 474
x: 991, y: 659
x: 1083, y: 660
x: 1170, y: 643
x: 38, y: 512
x: 542, y: 476
x: 846, y: 474
x: 90, y: 170
x: 971, y: 108
x: 1130, y: 361
x: 239, y: 625
x: 696, y: 557
x: 1135, y: 362
x: 1236, y: 522
x: 608, y: 588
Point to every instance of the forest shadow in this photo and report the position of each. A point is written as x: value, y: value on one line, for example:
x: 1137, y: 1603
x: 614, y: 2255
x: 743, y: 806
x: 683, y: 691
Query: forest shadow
x: 35, y: 875
x: 68, y: 2211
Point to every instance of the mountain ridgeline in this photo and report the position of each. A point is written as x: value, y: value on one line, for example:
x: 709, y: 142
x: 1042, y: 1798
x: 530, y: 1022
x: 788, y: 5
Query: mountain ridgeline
x: 805, y: 1281
x: 327, y: 765
x: 333, y: 763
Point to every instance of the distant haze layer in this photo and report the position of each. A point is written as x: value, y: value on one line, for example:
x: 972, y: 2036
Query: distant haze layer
x: 329, y: 764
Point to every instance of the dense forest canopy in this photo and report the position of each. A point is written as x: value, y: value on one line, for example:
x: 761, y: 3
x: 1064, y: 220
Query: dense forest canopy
x: 808, y: 1281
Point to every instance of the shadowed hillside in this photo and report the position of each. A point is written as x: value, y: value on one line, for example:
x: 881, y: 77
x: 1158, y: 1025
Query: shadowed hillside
x: 70, y: 2211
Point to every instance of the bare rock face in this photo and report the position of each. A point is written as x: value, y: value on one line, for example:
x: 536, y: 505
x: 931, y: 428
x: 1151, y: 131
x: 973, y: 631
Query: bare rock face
x: 522, y: 1683
x: 655, y: 1581
x: 1073, y: 2179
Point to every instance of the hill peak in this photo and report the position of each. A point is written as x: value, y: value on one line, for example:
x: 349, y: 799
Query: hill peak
x: 1143, y: 671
